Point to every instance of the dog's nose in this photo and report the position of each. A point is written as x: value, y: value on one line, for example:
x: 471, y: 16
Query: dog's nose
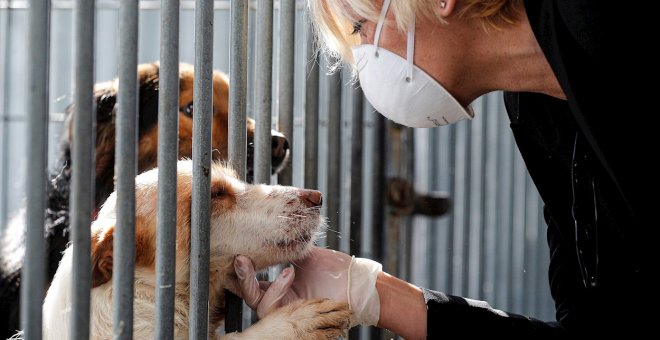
x: 280, y: 146
x: 311, y: 198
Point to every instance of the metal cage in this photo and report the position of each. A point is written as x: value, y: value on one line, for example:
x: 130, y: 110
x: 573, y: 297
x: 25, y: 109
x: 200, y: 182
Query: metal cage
x: 489, y: 245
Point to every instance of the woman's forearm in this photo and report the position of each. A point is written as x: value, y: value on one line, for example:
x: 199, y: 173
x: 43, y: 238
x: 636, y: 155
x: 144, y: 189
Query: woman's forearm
x: 402, y: 307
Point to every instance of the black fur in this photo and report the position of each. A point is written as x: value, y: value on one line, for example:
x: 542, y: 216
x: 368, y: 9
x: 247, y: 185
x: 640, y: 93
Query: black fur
x: 56, y: 226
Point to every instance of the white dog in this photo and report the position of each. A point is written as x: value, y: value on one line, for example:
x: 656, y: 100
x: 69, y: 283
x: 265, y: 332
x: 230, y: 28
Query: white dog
x: 270, y: 224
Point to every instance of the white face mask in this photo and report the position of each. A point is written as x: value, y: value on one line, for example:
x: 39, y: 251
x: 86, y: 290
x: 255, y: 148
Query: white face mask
x: 401, y: 91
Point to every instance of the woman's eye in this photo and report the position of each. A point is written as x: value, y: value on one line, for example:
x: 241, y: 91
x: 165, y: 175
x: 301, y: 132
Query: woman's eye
x: 357, y: 27
x: 188, y: 110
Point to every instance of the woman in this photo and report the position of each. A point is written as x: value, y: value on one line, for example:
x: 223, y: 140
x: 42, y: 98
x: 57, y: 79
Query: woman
x: 570, y: 70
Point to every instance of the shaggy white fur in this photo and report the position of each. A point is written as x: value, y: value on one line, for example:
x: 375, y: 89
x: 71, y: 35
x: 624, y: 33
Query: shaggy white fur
x: 270, y: 224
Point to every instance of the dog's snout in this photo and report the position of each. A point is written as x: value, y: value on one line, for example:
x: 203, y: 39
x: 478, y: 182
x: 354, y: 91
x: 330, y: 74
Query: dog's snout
x: 280, y: 145
x: 311, y: 198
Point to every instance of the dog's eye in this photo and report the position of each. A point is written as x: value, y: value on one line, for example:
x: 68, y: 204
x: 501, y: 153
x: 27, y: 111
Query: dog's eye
x: 218, y: 193
x: 188, y: 110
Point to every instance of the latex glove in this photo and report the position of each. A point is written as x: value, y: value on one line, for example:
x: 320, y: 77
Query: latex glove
x: 323, y: 274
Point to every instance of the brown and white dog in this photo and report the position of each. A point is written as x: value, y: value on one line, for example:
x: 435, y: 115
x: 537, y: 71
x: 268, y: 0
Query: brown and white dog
x: 270, y: 224
x: 56, y: 226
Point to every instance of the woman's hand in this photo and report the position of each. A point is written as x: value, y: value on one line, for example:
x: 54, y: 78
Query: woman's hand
x: 323, y: 274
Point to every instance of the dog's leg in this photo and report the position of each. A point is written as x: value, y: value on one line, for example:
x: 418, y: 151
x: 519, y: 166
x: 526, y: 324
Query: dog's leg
x: 305, y: 319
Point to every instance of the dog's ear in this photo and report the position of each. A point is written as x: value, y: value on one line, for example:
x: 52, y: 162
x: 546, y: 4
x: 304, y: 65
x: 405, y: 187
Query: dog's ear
x: 102, y: 256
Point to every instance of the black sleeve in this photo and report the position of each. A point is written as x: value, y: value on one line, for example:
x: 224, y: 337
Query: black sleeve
x: 449, y: 314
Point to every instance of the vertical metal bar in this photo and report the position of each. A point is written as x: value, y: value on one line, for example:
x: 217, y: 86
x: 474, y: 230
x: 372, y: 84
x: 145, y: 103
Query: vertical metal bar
x: 263, y: 100
x: 356, y: 172
x: 34, y: 269
x: 518, y: 234
x: 433, y: 243
x: 238, y: 91
x: 264, y: 84
x: 82, y: 185
x: 311, y: 113
x: 126, y: 165
x: 451, y: 138
x: 378, y: 159
x: 237, y: 125
x: 4, y: 133
x: 402, y: 166
x: 491, y: 117
x: 504, y: 211
x: 475, y: 196
x: 460, y: 209
x: 445, y: 157
x: 355, y: 231
x: 420, y: 244
x: 287, y: 17
x: 201, y: 195
x: 168, y: 147
x: 333, y: 102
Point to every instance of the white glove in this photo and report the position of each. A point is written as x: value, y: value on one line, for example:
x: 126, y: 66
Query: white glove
x: 323, y: 274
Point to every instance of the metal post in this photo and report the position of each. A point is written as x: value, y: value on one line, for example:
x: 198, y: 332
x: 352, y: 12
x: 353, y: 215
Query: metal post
x: 126, y: 165
x: 4, y: 127
x: 168, y: 146
x: 287, y: 18
x: 82, y: 158
x: 237, y: 126
x: 475, y: 197
x: 333, y: 102
x: 238, y: 90
x: 201, y: 196
x: 264, y: 84
x: 356, y: 172
x: 505, y: 210
x: 355, y: 233
x: 311, y: 113
x: 378, y: 159
x: 34, y: 269
x: 490, y: 187
x: 459, y: 249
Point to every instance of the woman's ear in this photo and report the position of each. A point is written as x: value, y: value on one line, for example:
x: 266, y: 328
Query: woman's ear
x: 446, y: 8
x: 102, y: 256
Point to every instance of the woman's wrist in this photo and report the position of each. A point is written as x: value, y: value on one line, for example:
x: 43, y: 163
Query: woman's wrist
x: 402, y: 307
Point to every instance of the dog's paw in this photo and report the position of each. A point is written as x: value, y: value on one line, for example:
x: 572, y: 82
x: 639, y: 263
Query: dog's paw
x: 317, y: 319
x: 304, y: 319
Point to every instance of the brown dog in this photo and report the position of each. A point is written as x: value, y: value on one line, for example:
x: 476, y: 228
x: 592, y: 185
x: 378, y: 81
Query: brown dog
x: 270, y: 224
x: 12, y: 241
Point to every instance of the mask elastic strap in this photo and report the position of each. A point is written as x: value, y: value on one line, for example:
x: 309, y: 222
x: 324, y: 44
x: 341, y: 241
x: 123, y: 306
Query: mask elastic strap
x: 381, y: 21
x: 410, y: 53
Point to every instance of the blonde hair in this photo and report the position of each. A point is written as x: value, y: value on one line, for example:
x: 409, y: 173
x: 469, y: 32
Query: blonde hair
x: 333, y: 19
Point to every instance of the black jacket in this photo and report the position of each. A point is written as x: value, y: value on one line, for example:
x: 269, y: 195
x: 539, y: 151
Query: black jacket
x: 590, y: 158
